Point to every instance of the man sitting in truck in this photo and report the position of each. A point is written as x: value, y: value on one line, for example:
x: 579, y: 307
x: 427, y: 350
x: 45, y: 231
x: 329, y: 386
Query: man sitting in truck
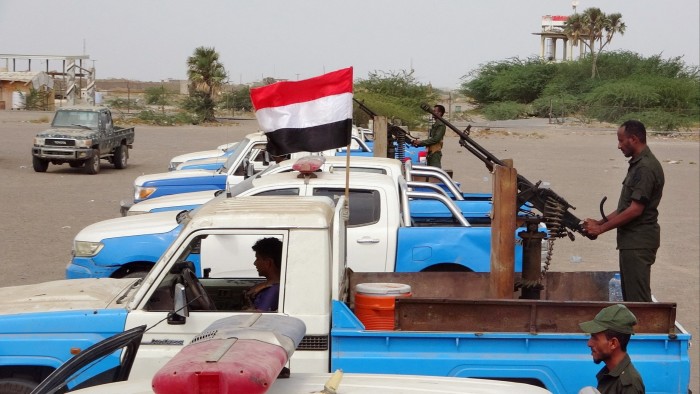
x: 264, y: 296
x: 610, y: 331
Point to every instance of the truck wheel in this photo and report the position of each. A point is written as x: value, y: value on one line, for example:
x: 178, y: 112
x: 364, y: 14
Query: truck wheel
x: 92, y: 165
x: 136, y: 274
x: 39, y: 165
x: 121, y: 154
x: 16, y: 386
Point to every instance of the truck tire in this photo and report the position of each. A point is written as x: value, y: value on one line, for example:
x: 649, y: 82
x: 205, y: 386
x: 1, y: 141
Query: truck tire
x: 121, y: 154
x: 16, y: 386
x: 40, y: 165
x: 92, y: 165
x: 136, y: 274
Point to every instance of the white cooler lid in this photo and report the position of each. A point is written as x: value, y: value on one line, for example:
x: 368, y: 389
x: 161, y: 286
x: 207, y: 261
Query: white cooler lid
x: 382, y: 288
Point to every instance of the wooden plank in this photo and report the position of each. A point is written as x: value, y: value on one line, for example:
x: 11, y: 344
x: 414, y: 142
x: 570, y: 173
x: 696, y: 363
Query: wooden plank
x: 380, y: 136
x: 503, y: 226
x: 534, y: 316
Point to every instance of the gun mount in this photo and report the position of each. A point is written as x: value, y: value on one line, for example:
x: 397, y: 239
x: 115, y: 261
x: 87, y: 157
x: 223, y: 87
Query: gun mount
x: 396, y: 135
x: 554, y: 209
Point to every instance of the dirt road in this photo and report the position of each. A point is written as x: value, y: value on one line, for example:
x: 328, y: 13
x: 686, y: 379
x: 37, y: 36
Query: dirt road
x: 42, y: 212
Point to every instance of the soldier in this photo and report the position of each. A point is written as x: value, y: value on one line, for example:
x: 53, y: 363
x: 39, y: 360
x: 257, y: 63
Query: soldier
x: 434, y: 142
x: 636, y: 216
x: 610, y: 331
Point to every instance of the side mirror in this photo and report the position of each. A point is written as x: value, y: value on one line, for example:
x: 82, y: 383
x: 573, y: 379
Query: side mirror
x: 180, y: 310
x: 249, y: 169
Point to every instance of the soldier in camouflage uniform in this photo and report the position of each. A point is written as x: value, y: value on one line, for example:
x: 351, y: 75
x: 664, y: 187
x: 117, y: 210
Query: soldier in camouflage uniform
x: 434, y: 142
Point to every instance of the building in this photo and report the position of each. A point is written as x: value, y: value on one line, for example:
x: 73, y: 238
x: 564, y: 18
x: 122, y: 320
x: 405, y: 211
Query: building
x: 552, y: 32
x: 17, y: 86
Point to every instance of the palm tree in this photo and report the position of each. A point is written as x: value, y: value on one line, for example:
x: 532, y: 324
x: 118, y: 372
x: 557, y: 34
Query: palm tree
x: 206, y: 75
x: 592, y: 26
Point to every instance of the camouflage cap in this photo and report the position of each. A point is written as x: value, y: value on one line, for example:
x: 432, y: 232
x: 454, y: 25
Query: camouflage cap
x: 615, y: 317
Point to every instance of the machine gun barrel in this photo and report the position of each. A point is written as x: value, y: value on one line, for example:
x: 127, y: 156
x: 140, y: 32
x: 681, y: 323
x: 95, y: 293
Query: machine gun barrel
x: 554, y: 208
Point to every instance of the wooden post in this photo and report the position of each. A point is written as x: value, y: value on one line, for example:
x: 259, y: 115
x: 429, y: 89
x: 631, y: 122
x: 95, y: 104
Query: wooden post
x: 505, y: 189
x: 380, y: 136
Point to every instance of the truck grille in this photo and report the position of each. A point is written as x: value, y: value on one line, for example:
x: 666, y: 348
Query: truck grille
x: 314, y: 342
x: 59, y: 142
x: 56, y: 153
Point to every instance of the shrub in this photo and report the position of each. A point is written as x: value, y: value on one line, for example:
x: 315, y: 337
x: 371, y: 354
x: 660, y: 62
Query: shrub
x: 505, y: 110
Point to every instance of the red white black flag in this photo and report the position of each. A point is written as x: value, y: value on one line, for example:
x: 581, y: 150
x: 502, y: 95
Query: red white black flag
x: 310, y: 115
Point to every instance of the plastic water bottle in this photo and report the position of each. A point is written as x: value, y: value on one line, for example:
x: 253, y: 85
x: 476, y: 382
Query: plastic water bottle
x: 615, y: 288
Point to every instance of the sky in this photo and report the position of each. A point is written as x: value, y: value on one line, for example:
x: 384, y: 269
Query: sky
x: 442, y: 41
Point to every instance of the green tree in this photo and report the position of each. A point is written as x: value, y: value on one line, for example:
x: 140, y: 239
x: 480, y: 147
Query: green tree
x: 396, y: 95
x: 238, y: 99
x: 206, y: 75
x: 594, y: 26
x: 157, y: 95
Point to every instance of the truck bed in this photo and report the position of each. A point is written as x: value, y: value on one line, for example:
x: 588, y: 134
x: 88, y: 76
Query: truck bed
x: 449, y: 327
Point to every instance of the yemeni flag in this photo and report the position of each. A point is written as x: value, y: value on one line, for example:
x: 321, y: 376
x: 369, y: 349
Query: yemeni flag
x: 311, y: 115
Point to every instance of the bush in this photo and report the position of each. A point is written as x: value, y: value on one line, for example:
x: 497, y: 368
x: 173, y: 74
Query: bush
x: 160, y: 119
x: 556, y: 106
x: 505, y: 110
x: 122, y: 103
x: 661, y: 120
x: 628, y: 83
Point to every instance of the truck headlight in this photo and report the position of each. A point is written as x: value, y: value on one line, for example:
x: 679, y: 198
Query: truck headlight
x: 39, y: 141
x: 86, y: 248
x: 142, y: 193
x: 83, y: 143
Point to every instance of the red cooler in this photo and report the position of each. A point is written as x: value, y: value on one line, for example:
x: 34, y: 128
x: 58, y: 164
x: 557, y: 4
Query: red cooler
x: 374, y: 303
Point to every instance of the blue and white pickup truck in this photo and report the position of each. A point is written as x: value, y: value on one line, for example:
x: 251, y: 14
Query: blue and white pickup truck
x: 391, y: 228
x: 221, y: 152
x: 446, y: 327
x: 438, y: 177
x: 250, y: 150
x: 361, y: 145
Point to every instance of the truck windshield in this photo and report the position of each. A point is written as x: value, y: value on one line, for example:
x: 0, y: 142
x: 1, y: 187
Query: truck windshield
x: 238, y: 151
x: 75, y: 118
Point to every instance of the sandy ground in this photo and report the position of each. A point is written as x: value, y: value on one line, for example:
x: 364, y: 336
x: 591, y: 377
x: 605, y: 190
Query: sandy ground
x: 42, y: 212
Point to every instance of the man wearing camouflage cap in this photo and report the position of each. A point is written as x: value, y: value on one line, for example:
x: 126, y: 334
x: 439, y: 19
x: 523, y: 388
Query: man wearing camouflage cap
x: 610, y: 331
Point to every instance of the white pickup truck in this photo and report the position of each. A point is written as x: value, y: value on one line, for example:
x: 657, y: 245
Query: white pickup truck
x: 537, y: 341
x: 390, y: 227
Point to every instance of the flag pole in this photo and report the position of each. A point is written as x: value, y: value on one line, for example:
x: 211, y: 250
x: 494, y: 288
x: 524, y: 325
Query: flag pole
x: 346, y: 208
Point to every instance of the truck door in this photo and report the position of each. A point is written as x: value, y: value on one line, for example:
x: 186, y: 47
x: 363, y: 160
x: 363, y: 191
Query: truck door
x: 367, y: 228
x: 107, y: 131
x: 251, y: 156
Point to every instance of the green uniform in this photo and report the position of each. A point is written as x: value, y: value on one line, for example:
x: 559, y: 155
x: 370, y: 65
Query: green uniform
x: 434, y: 144
x: 624, y: 379
x: 639, y: 239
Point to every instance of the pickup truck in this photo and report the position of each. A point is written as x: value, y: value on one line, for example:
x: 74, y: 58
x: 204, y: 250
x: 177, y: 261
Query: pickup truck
x: 360, y: 145
x: 391, y: 167
x: 81, y: 136
x: 251, y: 149
x: 447, y: 327
x: 251, y: 350
x: 185, y: 181
x: 219, y: 152
x: 391, y: 228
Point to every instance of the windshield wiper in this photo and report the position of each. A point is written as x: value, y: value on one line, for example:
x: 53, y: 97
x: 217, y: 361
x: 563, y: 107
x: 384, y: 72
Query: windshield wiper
x: 132, y: 287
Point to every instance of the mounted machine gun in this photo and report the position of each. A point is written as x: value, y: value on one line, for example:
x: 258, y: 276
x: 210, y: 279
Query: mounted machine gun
x: 396, y: 136
x: 553, y: 207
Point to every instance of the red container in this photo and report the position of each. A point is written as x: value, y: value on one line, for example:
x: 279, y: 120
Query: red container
x: 221, y: 367
x: 375, y: 302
